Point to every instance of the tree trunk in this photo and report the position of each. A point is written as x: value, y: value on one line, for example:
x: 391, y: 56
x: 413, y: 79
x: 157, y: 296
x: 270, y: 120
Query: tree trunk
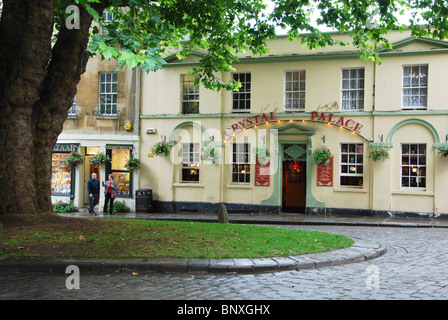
x: 37, y: 87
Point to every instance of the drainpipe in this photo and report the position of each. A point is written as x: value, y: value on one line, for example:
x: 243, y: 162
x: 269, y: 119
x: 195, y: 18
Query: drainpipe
x: 137, y: 110
x: 222, y: 164
x: 138, y: 107
x: 373, y: 133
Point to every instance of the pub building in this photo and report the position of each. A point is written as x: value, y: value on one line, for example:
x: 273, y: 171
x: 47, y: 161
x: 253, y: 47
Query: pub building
x: 292, y: 102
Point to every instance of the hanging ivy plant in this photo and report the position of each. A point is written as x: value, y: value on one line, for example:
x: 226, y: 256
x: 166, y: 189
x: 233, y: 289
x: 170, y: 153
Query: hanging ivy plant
x: 74, y: 159
x: 378, y: 154
x: 161, y: 149
x: 322, y: 155
x: 100, y: 158
x: 210, y: 153
x: 132, y: 163
x: 443, y: 151
x: 263, y: 155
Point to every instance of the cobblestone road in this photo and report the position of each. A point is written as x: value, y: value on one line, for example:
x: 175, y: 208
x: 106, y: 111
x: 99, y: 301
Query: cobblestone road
x: 414, y: 267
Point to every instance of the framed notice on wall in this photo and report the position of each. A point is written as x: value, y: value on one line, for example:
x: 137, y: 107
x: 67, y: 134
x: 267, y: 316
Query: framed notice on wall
x: 262, y: 175
x: 325, y: 174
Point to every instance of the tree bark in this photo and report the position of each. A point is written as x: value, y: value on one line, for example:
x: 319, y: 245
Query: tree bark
x: 37, y: 87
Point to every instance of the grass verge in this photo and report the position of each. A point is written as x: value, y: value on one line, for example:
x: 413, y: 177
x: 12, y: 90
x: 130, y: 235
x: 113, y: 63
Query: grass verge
x: 130, y: 238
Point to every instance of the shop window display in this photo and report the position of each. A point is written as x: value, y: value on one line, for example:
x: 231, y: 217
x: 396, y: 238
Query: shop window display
x: 60, y: 174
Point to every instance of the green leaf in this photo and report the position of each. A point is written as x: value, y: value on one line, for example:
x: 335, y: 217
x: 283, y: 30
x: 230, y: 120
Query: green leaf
x: 92, y: 12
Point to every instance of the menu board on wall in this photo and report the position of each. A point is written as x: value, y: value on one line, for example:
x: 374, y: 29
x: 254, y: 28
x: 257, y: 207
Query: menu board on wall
x: 262, y: 174
x: 325, y: 174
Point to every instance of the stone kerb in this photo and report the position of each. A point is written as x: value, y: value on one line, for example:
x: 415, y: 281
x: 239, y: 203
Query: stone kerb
x: 358, y: 252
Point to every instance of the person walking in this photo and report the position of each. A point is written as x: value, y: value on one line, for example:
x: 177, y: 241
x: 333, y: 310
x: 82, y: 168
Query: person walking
x: 110, y: 191
x: 93, y: 188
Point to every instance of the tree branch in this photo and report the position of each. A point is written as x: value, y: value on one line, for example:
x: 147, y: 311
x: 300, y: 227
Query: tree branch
x: 68, y: 63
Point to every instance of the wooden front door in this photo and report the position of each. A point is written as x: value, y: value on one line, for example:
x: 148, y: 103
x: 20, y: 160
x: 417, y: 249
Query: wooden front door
x: 294, y: 186
x: 294, y: 178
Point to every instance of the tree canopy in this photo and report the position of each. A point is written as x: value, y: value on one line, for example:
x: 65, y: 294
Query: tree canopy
x: 142, y: 31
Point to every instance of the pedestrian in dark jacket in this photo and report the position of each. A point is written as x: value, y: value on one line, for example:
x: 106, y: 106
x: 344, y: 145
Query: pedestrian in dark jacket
x: 93, y: 188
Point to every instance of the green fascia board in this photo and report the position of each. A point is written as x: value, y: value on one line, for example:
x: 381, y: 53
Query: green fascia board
x: 173, y: 57
x: 441, y: 145
x: 246, y: 115
x: 298, y: 114
x: 317, y: 57
x: 413, y: 53
x: 404, y: 42
x: 410, y: 112
x: 299, y: 130
x: 380, y: 144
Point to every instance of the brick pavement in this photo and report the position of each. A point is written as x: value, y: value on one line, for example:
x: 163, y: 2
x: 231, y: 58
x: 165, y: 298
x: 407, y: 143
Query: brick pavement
x: 414, y: 267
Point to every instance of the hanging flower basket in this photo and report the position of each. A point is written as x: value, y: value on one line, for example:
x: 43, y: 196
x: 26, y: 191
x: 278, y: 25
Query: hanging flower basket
x: 161, y: 149
x: 132, y: 164
x: 209, y: 153
x: 263, y: 155
x: 99, y: 158
x: 322, y: 155
x: 74, y: 159
x: 443, y: 151
x: 378, y: 154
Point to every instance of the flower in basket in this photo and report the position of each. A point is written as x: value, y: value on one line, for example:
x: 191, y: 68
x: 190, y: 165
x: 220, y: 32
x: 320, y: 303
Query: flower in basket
x: 322, y: 155
x: 161, y: 149
x: 378, y: 154
x: 132, y: 164
x: 443, y: 151
x: 74, y: 159
x: 210, y: 153
x: 99, y: 158
x: 262, y: 154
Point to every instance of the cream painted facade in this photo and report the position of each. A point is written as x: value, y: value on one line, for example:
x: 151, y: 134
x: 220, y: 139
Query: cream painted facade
x: 357, y: 185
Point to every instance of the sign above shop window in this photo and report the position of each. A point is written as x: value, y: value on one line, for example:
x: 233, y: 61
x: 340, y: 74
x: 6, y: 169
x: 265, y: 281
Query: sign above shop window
x: 65, y: 147
x: 111, y: 147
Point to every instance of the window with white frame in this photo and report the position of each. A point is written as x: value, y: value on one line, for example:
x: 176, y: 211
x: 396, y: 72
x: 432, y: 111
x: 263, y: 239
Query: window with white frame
x: 241, y: 163
x: 352, y: 167
x: 353, y: 89
x: 190, y: 95
x: 295, y: 90
x: 241, y: 98
x: 108, y: 94
x: 413, y: 166
x: 415, y: 87
x: 72, y: 110
x: 190, y: 162
x: 108, y: 16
